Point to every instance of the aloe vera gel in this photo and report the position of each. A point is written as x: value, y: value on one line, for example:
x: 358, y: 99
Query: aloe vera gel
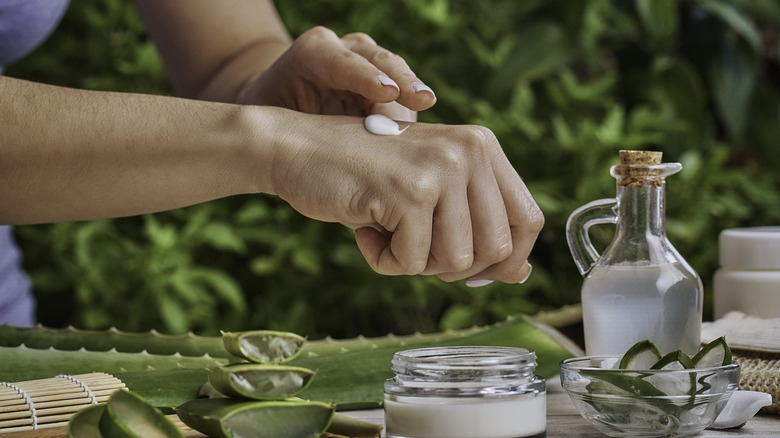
x: 640, y: 287
x: 465, y: 392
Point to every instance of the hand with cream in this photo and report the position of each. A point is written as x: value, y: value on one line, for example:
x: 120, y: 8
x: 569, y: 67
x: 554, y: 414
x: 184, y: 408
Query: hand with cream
x: 434, y: 199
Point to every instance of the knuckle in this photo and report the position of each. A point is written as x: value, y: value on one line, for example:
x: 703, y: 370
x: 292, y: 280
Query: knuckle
x: 535, y: 219
x: 455, y: 262
x: 358, y: 38
x: 497, y: 251
x: 422, y: 190
x: 460, y: 263
x: 383, y: 56
x: 317, y: 33
x: 413, y: 267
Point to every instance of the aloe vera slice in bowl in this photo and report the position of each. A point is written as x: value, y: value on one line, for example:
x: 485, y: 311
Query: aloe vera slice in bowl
x: 263, y: 346
x: 716, y: 353
x: 674, y: 383
x: 260, y: 381
x: 84, y: 423
x: 129, y: 416
x: 227, y: 418
x: 641, y: 356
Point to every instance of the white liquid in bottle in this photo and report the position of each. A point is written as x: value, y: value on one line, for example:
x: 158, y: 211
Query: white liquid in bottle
x: 623, y: 305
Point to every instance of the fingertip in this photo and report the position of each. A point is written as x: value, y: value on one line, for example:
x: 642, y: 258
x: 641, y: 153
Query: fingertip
x: 386, y: 81
x: 419, y: 98
x: 530, y: 269
x: 387, y: 90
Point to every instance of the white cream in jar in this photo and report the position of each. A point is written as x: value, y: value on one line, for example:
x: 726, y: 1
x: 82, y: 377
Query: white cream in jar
x: 465, y: 392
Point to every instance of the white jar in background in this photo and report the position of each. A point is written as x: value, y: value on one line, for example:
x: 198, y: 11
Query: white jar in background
x: 748, y: 279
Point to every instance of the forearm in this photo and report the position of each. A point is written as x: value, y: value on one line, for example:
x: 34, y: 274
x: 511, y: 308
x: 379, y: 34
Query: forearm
x: 74, y: 155
x: 211, y: 49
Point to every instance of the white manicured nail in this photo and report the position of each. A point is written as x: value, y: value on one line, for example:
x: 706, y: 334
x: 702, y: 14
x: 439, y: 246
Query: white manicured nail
x: 478, y: 283
x: 419, y: 86
x: 530, y: 269
x: 384, y: 80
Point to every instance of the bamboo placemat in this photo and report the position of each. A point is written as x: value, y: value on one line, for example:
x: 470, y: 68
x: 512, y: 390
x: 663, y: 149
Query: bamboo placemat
x: 48, y: 403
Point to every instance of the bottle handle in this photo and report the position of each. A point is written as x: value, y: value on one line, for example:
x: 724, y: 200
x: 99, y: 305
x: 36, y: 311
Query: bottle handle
x: 602, y: 211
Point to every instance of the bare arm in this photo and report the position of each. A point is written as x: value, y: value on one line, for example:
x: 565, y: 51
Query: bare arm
x: 70, y: 154
x: 444, y: 198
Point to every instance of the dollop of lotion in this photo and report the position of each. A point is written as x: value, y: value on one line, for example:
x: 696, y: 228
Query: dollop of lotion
x: 380, y: 124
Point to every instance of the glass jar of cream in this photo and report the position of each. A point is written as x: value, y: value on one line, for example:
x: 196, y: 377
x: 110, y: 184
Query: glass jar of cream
x: 465, y: 392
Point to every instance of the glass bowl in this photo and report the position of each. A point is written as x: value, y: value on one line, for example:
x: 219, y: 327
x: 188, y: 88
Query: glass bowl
x: 647, y: 403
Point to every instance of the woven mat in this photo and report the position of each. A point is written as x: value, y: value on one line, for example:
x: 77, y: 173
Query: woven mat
x: 755, y: 344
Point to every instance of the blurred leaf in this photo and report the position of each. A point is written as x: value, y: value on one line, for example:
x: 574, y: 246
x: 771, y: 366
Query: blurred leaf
x: 540, y: 49
x: 733, y: 78
x: 222, y: 236
x: 659, y: 18
x: 173, y: 315
x: 728, y: 12
x: 456, y: 317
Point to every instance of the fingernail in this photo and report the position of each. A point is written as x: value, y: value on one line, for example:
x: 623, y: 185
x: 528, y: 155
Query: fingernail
x: 478, y: 283
x: 384, y: 80
x: 530, y: 269
x: 419, y: 86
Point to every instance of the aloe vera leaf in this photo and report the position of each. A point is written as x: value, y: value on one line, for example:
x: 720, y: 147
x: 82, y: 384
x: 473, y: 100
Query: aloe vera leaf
x: 226, y: 417
x: 716, y: 353
x: 343, y: 425
x: 354, y: 379
x: 165, y: 389
x: 263, y: 346
x: 129, y: 416
x: 260, y: 381
x: 676, y: 360
x: 641, y: 356
x: 70, y: 338
x: 22, y: 363
x: 84, y: 423
x: 351, y: 372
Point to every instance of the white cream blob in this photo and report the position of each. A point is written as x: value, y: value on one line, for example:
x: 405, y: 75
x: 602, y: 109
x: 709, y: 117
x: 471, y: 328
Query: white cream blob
x: 379, y: 124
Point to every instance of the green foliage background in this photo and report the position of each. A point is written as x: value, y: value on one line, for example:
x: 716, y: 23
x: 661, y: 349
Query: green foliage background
x: 563, y: 84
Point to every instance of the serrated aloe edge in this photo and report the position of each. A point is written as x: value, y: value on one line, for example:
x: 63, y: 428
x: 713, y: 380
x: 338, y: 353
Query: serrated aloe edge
x: 350, y: 373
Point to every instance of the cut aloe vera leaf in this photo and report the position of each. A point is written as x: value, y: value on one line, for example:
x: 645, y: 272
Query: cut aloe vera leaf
x: 641, y: 356
x: 227, y: 418
x: 84, y: 423
x: 674, y: 383
x: 263, y: 346
x: 343, y: 425
x: 716, y: 353
x: 129, y: 416
x: 615, y: 382
x: 260, y: 381
x: 676, y: 360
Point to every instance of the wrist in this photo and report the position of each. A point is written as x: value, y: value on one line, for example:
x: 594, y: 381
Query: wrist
x: 266, y: 145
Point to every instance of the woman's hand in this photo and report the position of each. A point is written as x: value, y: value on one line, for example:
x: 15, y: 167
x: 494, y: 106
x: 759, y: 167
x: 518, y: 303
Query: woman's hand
x: 435, y: 200
x: 324, y: 74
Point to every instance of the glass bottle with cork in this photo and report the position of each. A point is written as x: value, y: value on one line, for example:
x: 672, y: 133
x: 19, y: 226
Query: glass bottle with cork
x: 640, y: 287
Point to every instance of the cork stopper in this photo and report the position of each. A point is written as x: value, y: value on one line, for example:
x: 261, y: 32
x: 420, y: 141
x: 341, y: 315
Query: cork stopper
x: 632, y: 171
x: 640, y: 157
